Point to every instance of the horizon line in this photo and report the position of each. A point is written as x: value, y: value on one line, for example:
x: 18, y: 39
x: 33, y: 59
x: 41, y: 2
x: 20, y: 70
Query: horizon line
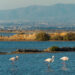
x: 38, y: 5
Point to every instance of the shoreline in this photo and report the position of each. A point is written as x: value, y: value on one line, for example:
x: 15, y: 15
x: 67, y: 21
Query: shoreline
x: 41, y: 41
x: 6, y: 53
x: 39, y: 36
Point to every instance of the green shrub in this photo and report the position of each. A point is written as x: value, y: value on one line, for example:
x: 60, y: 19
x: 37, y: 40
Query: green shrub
x: 53, y: 48
x: 69, y: 36
x: 42, y: 36
x: 57, y: 38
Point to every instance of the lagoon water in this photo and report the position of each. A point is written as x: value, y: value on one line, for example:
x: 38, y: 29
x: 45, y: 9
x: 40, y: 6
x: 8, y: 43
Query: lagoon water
x: 7, y: 46
x: 6, y: 34
x: 34, y: 64
x: 13, y: 45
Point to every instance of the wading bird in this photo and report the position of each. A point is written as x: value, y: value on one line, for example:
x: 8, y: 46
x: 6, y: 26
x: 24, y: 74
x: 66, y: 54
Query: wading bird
x: 49, y: 60
x: 65, y: 58
x: 13, y: 59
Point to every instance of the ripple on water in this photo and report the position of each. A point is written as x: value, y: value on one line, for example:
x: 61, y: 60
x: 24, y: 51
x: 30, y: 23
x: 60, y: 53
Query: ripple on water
x: 33, y: 64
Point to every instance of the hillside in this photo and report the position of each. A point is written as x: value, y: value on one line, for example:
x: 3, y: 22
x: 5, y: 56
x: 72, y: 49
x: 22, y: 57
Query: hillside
x: 64, y: 13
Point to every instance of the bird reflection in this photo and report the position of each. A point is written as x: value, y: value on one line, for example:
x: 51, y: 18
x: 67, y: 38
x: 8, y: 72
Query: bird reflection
x: 64, y: 67
x: 13, y: 68
x: 48, y: 61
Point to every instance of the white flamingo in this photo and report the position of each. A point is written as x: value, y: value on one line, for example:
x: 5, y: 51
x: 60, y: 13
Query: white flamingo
x: 65, y: 58
x: 49, y: 60
x: 13, y: 59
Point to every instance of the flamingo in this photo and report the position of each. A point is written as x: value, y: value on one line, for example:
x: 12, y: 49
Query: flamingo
x: 49, y: 60
x: 65, y: 58
x: 13, y: 59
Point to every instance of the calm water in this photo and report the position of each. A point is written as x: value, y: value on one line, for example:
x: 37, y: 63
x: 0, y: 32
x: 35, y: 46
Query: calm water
x: 33, y: 64
x: 6, y: 34
x: 12, y: 45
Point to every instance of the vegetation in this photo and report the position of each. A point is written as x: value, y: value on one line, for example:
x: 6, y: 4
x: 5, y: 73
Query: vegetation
x: 57, y: 38
x: 53, y: 48
x: 69, y: 36
x: 50, y: 49
x: 42, y: 36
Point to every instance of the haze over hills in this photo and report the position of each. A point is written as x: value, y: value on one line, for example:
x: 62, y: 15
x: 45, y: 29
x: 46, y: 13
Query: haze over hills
x: 56, y: 13
x: 35, y: 17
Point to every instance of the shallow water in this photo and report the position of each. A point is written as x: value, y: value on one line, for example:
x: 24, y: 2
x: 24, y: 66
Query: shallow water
x: 13, y: 45
x: 34, y: 64
x: 6, y: 34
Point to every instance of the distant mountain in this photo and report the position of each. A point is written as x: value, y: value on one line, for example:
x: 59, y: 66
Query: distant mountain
x: 58, y: 13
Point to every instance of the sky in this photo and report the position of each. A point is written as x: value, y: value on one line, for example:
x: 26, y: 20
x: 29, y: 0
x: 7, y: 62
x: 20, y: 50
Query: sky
x: 12, y: 4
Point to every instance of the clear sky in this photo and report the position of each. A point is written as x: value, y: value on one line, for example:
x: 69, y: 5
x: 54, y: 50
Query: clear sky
x: 11, y: 4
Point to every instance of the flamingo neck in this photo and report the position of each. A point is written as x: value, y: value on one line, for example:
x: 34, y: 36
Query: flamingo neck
x: 52, y: 58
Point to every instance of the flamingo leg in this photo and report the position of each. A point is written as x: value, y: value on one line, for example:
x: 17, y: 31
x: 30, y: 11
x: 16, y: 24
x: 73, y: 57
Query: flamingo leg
x: 64, y: 66
x: 48, y: 66
x: 12, y: 63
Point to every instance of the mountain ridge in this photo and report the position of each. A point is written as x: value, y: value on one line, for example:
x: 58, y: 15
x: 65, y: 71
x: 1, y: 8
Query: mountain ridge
x: 54, y: 13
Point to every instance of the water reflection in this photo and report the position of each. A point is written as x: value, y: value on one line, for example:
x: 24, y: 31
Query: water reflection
x: 64, y: 67
x: 50, y: 69
x: 14, y: 69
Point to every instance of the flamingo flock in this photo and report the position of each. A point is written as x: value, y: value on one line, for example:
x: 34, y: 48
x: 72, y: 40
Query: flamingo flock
x: 51, y: 60
x: 65, y: 58
x: 48, y: 60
